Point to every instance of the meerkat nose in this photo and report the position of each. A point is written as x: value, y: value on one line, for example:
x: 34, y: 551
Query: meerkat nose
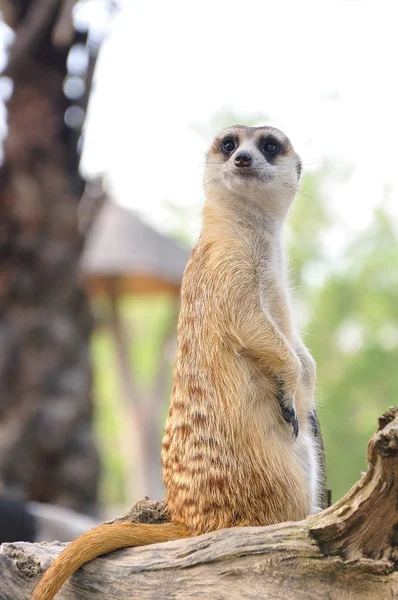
x: 243, y: 160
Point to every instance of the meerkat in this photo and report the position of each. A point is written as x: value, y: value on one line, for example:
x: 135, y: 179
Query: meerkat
x: 239, y: 447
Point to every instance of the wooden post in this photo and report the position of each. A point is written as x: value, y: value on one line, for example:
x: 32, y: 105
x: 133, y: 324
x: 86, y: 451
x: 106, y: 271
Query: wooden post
x: 136, y: 484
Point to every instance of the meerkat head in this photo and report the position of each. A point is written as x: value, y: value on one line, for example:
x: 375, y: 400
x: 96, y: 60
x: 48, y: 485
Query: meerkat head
x: 253, y: 166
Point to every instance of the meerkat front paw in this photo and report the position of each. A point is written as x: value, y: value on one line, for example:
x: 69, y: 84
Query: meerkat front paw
x: 288, y: 410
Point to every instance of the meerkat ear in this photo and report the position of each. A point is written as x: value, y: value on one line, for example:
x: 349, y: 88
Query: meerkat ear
x: 298, y: 167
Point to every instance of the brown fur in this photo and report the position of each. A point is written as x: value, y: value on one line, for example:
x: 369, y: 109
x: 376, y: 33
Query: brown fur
x: 227, y: 453
x: 101, y: 540
x: 229, y: 458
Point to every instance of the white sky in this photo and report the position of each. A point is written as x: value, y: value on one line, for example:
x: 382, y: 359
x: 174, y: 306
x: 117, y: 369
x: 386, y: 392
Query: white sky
x: 324, y: 71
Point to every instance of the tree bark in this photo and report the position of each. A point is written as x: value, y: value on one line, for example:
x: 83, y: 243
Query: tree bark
x: 347, y: 552
x: 47, y: 450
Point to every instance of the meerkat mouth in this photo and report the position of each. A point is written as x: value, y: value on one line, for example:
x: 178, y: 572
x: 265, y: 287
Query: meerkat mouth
x: 246, y: 173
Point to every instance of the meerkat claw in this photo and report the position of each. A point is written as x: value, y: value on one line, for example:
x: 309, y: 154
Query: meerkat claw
x: 288, y: 411
x: 289, y: 414
x: 314, y: 423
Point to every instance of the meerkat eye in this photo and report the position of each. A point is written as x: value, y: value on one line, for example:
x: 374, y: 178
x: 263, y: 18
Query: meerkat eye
x: 271, y: 147
x: 228, y: 145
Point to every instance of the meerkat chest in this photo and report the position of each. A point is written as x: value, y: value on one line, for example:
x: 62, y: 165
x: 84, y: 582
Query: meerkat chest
x: 273, y: 288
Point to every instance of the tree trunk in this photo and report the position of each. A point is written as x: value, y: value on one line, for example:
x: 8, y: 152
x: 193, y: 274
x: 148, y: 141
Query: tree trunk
x: 47, y: 450
x: 347, y: 552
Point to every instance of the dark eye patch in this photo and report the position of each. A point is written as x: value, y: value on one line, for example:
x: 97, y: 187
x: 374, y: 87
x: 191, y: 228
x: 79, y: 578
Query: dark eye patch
x: 228, y: 145
x: 270, y: 147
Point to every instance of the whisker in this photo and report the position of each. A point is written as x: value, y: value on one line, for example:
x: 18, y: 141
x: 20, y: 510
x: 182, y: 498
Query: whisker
x: 299, y: 190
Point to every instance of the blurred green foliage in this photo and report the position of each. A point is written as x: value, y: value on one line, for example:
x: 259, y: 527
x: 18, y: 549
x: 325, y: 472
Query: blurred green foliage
x: 144, y: 319
x: 351, y: 325
x: 225, y: 117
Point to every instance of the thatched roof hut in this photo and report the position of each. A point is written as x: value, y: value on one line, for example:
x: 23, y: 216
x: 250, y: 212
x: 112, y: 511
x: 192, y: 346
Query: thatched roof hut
x: 121, y: 248
x: 124, y: 255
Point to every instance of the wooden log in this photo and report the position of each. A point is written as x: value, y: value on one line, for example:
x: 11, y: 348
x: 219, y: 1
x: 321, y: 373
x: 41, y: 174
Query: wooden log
x: 347, y: 552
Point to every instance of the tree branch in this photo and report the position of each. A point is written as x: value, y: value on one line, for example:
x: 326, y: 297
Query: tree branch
x: 30, y: 31
x: 63, y: 31
x: 8, y: 11
x: 365, y: 522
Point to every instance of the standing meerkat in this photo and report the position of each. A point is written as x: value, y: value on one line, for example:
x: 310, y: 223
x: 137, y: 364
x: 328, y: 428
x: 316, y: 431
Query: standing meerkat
x: 239, y: 447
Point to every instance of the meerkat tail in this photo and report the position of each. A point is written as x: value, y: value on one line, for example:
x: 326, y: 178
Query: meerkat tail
x: 101, y: 540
